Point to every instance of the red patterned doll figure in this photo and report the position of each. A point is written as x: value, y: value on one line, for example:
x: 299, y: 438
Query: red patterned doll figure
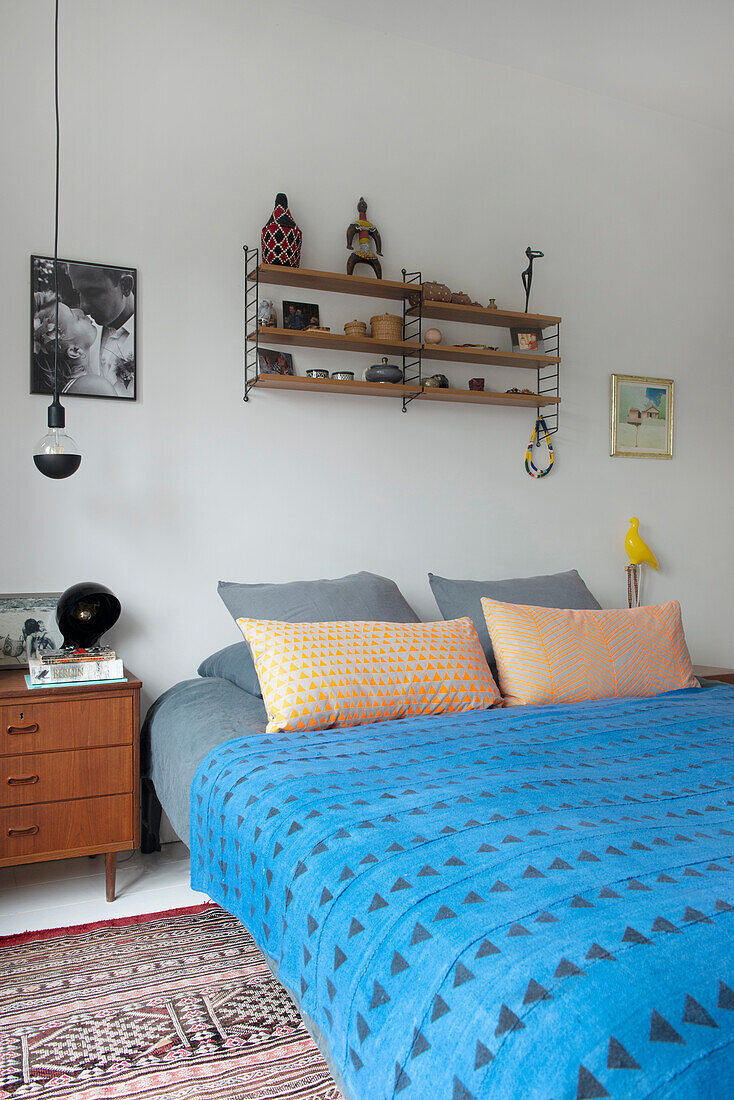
x: 366, y: 233
x: 281, y: 238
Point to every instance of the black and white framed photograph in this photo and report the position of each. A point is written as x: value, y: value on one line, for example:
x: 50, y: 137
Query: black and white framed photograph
x: 275, y: 362
x: 28, y: 627
x: 300, y: 315
x: 96, y: 311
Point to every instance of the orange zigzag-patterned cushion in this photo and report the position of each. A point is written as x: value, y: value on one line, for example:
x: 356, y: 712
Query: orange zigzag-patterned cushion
x: 319, y: 675
x: 545, y: 655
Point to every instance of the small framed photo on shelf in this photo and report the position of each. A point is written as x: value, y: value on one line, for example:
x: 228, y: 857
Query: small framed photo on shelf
x: 28, y: 627
x: 641, y: 417
x: 275, y: 362
x: 300, y: 316
x: 527, y: 341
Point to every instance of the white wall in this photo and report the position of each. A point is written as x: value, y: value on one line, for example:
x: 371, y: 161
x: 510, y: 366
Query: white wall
x: 181, y: 120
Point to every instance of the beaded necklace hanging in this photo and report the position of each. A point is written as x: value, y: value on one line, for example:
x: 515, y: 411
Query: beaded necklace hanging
x: 540, y: 429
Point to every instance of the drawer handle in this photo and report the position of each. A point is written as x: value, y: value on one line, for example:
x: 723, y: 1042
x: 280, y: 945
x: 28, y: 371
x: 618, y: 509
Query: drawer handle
x: 19, y: 780
x: 32, y: 728
x: 30, y: 831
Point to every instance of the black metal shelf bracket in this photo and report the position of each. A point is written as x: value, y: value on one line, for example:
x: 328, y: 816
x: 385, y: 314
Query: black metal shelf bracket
x: 549, y: 379
x: 413, y: 332
x: 252, y: 306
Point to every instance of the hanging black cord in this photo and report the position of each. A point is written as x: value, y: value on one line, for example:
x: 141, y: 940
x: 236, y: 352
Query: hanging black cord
x: 56, y: 207
x: 56, y: 458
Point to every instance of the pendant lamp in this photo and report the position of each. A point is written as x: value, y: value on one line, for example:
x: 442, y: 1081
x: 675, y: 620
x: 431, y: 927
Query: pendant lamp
x: 56, y: 455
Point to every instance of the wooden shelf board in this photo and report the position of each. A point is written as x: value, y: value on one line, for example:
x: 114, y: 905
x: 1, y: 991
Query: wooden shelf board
x: 486, y: 397
x: 332, y: 385
x: 334, y: 341
x: 368, y: 287
x: 476, y: 315
x: 453, y: 354
x: 388, y: 389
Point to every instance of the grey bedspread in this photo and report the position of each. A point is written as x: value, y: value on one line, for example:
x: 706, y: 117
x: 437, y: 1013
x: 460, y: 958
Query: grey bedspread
x: 182, y: 726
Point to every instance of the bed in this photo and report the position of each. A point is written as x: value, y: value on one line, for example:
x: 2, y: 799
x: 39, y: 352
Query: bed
x: 182, y: 726
x: 525, y: 902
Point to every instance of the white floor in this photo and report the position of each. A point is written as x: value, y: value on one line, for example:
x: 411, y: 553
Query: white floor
x: 72, y: 891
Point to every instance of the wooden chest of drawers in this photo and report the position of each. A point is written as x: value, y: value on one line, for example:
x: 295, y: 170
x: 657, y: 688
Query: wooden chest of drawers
x: 69, y: 771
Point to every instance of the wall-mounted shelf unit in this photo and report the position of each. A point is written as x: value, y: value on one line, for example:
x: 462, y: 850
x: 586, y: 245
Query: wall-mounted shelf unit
x: 411, y: 348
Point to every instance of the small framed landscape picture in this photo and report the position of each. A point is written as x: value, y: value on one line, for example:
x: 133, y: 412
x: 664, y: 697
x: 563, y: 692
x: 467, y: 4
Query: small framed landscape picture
x: 642, y: 416
x: 275, y: 362
x: 95, y: 304
x: 300, y: 315
x: 28, y: 627
x: 527, y: 341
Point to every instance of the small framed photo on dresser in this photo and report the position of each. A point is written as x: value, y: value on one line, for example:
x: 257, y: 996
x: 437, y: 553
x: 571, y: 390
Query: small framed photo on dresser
x: 28, y: 627
x: 96, y: 309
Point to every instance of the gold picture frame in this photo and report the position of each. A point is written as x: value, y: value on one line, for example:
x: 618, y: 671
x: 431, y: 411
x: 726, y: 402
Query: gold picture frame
x: 642, y: 411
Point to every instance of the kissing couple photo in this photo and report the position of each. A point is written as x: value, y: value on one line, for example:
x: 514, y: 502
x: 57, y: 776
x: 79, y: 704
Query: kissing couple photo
x: 96, y: 328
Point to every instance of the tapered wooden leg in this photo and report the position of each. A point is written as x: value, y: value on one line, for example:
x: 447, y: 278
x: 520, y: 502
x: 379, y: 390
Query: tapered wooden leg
x: 110, y: 861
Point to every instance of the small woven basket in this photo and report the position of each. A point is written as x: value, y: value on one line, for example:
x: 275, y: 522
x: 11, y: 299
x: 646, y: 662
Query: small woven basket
x: 355, y: 328
x: 387, y: 326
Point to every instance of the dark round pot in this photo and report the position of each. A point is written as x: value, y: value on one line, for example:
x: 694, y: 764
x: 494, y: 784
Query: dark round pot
x: 383, y: 372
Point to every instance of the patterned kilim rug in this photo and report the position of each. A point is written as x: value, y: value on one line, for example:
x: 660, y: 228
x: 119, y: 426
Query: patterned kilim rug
x: 178, y: 1005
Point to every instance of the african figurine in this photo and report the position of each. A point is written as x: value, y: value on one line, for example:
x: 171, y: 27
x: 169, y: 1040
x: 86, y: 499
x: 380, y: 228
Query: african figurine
x: 281, y: 238
x: 366, y: 233
x: 527, y: 275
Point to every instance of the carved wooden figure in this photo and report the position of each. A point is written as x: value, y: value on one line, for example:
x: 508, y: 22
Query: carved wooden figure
x: 527, y: 275
x: 366, y: 234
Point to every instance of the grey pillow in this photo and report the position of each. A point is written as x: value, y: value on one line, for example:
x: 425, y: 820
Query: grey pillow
x: 232, y: 663
x: 459, y: 599
x: 360, y: 597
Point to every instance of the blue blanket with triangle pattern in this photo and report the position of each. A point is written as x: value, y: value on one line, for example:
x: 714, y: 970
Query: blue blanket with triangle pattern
x: 535, y: 902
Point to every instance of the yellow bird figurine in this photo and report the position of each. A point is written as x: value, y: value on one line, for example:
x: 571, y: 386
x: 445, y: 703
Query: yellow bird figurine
x: 638, y: 551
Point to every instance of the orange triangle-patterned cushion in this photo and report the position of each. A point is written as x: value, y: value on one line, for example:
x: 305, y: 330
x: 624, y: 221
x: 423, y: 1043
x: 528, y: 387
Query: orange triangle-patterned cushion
x: 319, y: 675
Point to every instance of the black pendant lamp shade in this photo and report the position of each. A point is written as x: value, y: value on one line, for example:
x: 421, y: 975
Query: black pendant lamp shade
x: 56, y: 455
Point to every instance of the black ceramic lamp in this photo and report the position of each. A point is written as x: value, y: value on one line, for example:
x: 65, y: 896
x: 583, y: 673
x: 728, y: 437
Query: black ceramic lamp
x: 56, y: 455
x: 85, y: 612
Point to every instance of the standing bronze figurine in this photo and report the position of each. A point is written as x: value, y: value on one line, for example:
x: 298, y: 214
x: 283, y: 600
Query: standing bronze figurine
x: 527, y: 275
x: 366, y: 233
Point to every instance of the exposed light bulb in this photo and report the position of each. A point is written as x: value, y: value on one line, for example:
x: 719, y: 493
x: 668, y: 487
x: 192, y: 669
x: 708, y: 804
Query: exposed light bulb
x: 56, y: 455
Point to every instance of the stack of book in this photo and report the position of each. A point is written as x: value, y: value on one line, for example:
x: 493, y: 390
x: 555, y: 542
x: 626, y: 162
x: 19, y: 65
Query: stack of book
x: 65, y: 666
